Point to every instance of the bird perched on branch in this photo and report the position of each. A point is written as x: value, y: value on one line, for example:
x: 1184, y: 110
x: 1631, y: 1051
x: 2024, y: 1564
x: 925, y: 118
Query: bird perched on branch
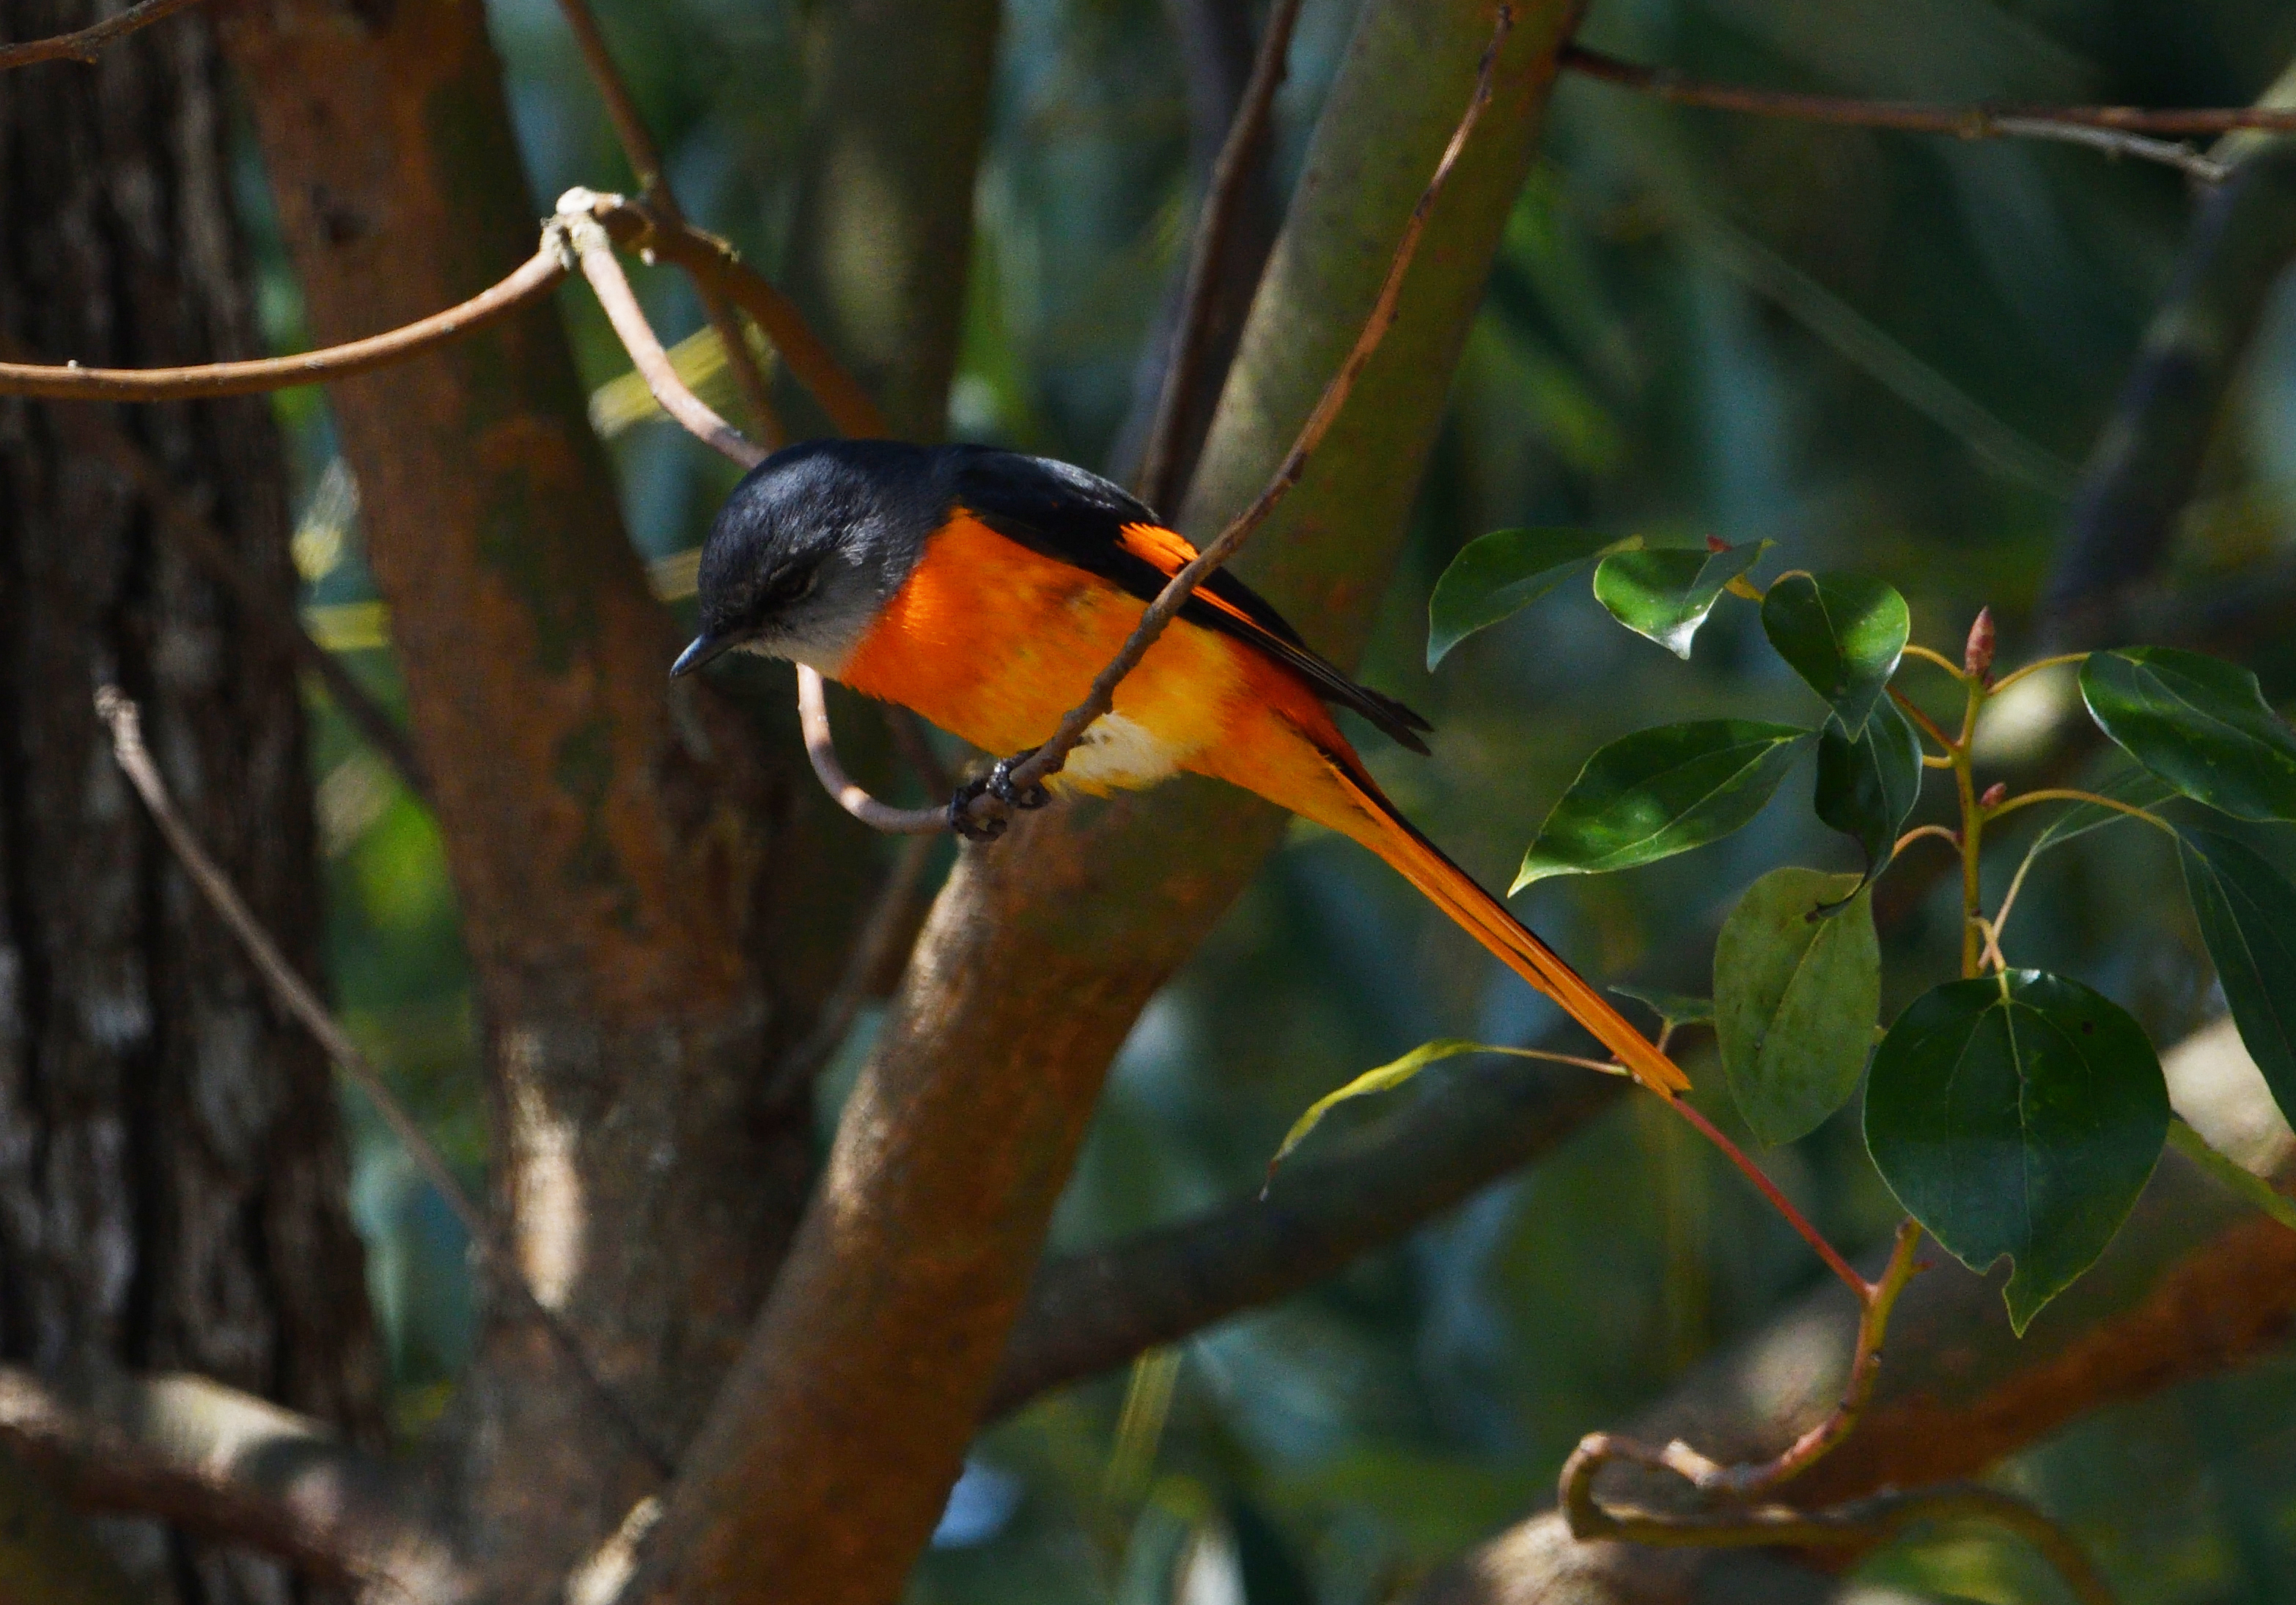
x: 985, y: 590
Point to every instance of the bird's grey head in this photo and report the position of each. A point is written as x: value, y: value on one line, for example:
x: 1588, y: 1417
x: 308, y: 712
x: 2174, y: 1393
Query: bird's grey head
x: 810, y: 547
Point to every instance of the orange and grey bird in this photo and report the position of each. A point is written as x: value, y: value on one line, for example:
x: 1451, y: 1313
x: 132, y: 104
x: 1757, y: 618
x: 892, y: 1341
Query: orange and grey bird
x: 984, y: 590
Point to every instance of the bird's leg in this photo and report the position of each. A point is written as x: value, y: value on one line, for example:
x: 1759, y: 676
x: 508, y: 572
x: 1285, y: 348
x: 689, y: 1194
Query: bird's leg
x: 996, y: 783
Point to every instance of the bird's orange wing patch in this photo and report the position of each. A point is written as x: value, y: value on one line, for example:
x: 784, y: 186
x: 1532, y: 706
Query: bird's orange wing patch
x: 1171, y: 552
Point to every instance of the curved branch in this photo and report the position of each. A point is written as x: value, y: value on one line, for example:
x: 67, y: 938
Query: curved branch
x: 221, y: 1464
x: 848, y: 794
x: 534, y: 278
x: 83, y: 44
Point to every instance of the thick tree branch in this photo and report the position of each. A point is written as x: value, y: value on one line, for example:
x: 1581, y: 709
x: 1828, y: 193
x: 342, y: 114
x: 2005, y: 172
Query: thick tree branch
x: 85, y: 44
x: 831, y: 1450
x: 229, y: 1467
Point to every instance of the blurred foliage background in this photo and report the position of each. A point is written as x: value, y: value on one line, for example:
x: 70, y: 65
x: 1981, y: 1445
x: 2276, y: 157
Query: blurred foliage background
x: 1885, y: 352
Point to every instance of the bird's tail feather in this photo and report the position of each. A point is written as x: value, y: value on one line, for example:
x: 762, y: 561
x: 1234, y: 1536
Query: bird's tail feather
x: 1487, y: 919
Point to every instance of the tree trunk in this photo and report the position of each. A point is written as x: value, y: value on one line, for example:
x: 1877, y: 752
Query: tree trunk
x: 172, y: 1188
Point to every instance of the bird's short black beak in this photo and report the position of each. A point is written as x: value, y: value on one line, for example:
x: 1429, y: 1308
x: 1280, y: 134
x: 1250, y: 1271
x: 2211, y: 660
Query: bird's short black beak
x: 703, y: 649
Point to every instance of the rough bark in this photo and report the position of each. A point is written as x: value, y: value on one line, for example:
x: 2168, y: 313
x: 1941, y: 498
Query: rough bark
x: 2196, y: 1281
x: 619, y: 852
x: 826, y: 1460
x: 171, y: 1168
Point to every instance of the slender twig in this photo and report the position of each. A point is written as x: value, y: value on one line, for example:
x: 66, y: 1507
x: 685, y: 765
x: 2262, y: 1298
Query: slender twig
x: 2035, y: 666
x: 2067, y: 794
x: 820, y: 747
x: 1928, y: 726
x: 1224, y: 200
x: 1929, y: 656
x: 1769, y: 1189
x: 1864, y: 1522
x: 1943, y: 833
x: 2015, y: 119
x: 83, y: 46
x: 294, y: 995
x: 1047, y: 760
x: 534, y: 279
x: 644, y: 156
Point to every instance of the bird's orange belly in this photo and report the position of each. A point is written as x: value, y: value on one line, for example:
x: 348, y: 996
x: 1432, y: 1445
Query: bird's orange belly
x: 993, y: 643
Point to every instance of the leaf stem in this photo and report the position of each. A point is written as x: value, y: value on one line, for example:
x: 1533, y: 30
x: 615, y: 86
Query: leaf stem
x: 1928, y: 726
x: 1929, y: 656
x: 2035, y: 666
x: 1943, y: 833
x: 2058, y: 793
x: 1972, y: 832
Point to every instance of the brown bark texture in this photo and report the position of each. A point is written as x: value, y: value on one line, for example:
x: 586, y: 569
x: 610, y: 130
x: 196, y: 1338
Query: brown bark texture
x: 826, y: 1461
x: 620, y: 851
x: 172, y: 1176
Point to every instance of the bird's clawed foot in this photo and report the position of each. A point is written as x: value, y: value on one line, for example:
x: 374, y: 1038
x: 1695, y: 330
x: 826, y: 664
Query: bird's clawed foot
x: 996, y: 783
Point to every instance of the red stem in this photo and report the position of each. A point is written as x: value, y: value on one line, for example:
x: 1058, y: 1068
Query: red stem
x: 1778, y: 1201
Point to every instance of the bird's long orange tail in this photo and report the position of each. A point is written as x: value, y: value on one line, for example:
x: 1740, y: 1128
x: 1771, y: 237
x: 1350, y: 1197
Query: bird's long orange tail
x: 1486, y: 918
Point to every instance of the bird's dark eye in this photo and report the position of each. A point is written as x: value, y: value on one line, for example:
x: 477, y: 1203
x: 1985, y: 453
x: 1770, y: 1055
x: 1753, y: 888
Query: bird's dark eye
x: 791, y: 584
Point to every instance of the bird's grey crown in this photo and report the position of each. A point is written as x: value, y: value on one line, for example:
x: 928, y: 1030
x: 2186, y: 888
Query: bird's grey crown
x: 812, y: 542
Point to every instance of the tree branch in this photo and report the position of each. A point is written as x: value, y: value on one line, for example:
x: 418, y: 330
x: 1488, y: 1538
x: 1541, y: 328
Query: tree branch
x: 85, y: 44
x: 223, y: 1465
x: 1242, y: 167
x: 535, y: 279
x: 2120, y: 130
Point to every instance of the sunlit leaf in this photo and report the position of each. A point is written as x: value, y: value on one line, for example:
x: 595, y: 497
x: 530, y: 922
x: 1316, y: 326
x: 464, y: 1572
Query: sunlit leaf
x: 1666, y: 595
x: 1672, y: 1008
x: 1842, y: 633
x: 2019, y: 1114
x: 1867, y: 784
x: 2247, y: 913
x: 1386, y: 1078
x: 1660, y: 792
x: 2198, y: 722
x: 1496, y: 576
x: 1795, y: 998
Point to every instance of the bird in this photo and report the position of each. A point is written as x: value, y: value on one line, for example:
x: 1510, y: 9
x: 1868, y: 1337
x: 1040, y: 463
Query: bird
x: 984, y: 589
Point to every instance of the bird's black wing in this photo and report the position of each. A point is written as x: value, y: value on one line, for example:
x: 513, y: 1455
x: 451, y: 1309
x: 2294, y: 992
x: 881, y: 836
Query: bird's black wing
x: 1080, y: 519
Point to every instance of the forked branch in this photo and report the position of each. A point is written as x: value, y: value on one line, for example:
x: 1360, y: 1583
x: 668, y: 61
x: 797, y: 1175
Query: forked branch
x: 83, y: 44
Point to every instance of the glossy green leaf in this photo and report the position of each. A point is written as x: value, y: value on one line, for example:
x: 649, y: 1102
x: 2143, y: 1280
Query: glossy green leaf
x: 1867, y: 784
x: 1386, y: 1078
x: 1666, y: 595
x: 1672, y: 1008
x: 2019, y: 1114
x: 1660, y: 792
x: 2247, y: 913
x: 1496, y: 576
x: 1796, y: 995
x: 2198, y: 722
x: 1842, y: 633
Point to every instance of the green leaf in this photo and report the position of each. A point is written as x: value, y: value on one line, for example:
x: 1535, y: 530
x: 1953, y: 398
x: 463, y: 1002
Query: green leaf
x: 1672, y: 1008
x: 2236, y: 1177
x: 1867, y: 784
x: 2247, y: 913
x: 1842, y: 633
x: 2198, y: 722
x: 2019, y: 1113
x: 2135, y: 787
x: 1666, y: 595
x: 1660, y: 792
x: 1795, y: 999
x: 1385, y: 1078
x: 1496, y: 576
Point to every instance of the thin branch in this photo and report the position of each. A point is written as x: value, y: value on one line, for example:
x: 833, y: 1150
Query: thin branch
x: 1862, y: 1523
x: 1241, y: 162
x: 848, y: 794
x: 223, y: 1465
x: 2022, y: 119
x: 1047, y: 760
x: 83, y: 46
x: 714, y: 264
x: 297, y: 998
x: 534, y: 279
x: 653, y: 186
x: 1769, y: 1189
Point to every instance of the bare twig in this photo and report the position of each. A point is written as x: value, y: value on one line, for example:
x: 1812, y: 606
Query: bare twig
x: 2019, y: 119
x: 1224, y: 198
x: 1860, y: 1522
x: 1047, y: 759
x: 534, y: 278
x: 83, y: 46
x: 119, y: 712
x: 714, y: 263
x: 653, y: 186
x: 820, y: 747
